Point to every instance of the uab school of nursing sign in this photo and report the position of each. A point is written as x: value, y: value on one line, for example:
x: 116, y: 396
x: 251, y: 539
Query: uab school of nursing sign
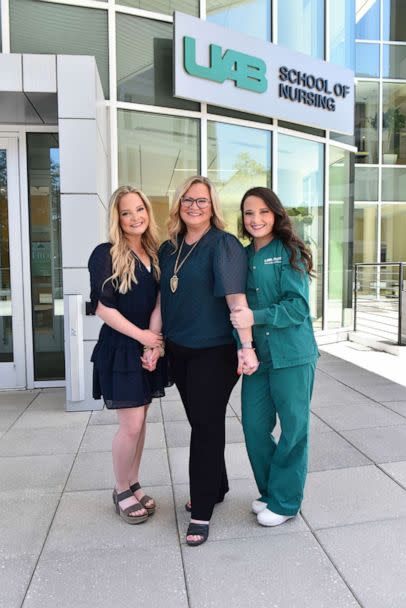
x: 225, y: 68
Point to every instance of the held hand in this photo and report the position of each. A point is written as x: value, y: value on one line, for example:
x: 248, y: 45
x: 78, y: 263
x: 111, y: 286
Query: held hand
x: 150, y: 359
x: 150, y: 338
x: 249, y: 360
x: 242, y: 317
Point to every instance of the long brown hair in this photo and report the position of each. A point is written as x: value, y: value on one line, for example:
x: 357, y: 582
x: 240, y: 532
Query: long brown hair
x: 123, y: 260
x: 175, y: 223
x: 282, y: 228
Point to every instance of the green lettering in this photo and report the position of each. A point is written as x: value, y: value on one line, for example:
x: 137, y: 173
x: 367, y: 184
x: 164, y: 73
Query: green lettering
x: 246, y: 71
x: 213, y: 72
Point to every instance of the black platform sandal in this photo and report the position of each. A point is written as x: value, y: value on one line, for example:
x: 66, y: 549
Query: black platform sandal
x: 197, y: 530
x: 151, y: 510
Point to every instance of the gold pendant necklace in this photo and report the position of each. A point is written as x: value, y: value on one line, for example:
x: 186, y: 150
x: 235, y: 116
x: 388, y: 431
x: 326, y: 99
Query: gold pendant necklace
x: 174, y: 280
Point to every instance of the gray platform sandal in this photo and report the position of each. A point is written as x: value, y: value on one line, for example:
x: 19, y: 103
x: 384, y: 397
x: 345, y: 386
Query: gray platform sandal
x: 151, y: 510
x: 125, y: 513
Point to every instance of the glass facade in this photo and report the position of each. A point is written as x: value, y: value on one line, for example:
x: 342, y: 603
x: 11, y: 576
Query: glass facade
x: 251, y: 17
x: 367, y: 59
x: 301, y: 26
x: 366, y: 122
x: 365, y: 233
x: 380, y: 126
x: 393, y: 230
x: 237, y: 158
x: 367, y: 19
x: 301, y: 190
x: 156, y: 153
x: 394, y: 20
x: 340, y: 239
x: 394, y: 123
x: 144, y: 63
x: 162, y: 139
x: 164, y: 6
x: 42, y: 27
x: 366, y: 183
x: 342, y: 32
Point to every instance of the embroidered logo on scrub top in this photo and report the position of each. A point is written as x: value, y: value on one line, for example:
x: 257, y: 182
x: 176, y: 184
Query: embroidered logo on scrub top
x: 277, y: 260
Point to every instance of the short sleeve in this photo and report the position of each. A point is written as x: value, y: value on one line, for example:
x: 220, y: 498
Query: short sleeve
x: 100, y: 269
x: 230, y: 266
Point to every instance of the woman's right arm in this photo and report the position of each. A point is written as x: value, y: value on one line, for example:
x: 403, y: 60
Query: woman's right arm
x: 114, y: 318
x: 104, y: 298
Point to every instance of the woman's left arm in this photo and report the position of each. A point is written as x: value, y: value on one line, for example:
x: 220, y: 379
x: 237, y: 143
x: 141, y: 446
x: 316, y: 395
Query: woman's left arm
x: 292, y: 308
x: 247, y: 359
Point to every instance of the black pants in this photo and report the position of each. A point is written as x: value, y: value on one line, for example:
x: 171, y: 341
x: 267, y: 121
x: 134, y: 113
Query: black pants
x: 205, y: 378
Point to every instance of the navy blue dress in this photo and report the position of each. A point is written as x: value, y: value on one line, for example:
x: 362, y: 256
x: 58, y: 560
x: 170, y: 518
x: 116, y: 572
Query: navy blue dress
x: 118, y: 375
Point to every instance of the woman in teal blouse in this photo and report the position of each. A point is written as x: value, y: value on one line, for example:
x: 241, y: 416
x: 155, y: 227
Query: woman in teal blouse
x: 279, y: 266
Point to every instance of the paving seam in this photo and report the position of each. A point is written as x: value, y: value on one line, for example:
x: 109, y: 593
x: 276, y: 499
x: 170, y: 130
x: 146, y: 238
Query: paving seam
x: 253, y: 538
x: 53, y: 517
x: 379, y: 466
x: 330, y: 559
x: 359, y: 523
x: 358, y: 428
x: 391, y: 410
x: 188, y: 597
x: 360, y: 451
x: 21, y: 413
x: 356, y: 390
x: 157, y: 485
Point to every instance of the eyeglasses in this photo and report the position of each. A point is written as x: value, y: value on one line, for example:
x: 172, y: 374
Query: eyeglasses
x: 202, y: 203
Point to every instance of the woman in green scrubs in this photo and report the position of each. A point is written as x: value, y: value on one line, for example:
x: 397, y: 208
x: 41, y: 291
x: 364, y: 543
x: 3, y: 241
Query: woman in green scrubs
x: 278, y: 298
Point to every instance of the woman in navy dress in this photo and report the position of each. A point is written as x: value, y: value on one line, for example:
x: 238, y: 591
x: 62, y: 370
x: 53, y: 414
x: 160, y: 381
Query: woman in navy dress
x: 124, y: 276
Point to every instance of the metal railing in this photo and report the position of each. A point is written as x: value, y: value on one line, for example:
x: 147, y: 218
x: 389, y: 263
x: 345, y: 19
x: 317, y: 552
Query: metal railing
x: 380, y: 300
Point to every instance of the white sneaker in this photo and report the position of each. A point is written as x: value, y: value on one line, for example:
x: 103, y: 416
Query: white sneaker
x: 257, y: 506
x: 269, y: 518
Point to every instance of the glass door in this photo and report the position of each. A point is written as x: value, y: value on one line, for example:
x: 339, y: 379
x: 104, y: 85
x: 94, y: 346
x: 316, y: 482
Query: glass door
x: 46, y: 257
x: 12, y: 352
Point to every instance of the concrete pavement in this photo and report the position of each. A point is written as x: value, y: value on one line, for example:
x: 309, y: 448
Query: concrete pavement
x: 62, y: 545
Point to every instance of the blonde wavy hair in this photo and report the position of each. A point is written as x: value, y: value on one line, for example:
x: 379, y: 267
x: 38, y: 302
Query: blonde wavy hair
x: 175, y: 223
x: 123, y: 260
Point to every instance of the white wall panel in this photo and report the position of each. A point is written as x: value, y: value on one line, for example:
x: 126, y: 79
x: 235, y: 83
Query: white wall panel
x: 39, y: 73
x: 76, y: 86
x: 11, y: 72
x: 78, y: 156
x: 102, y: 188
x: 102, y: 114
x: 82, y: 228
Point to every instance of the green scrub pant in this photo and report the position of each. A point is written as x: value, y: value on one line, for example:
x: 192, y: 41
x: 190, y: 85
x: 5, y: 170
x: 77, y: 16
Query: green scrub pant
x: 280, y: 468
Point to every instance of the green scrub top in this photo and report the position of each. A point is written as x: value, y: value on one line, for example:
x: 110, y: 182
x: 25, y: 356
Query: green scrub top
x: 279, y: 297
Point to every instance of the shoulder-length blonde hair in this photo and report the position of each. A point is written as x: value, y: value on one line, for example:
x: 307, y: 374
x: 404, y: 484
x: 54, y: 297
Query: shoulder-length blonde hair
x: 123, y: 260
x: 176, y: 225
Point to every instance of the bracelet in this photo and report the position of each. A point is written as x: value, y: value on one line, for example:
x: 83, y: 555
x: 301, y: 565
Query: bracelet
x: 248, y: 345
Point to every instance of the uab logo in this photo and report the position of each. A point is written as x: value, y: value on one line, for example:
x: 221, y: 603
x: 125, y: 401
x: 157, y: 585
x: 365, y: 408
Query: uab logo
x: 246, y: 71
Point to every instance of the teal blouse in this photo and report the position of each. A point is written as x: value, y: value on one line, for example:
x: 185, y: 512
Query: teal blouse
x: 197, y: 315
x: 279, y: 297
